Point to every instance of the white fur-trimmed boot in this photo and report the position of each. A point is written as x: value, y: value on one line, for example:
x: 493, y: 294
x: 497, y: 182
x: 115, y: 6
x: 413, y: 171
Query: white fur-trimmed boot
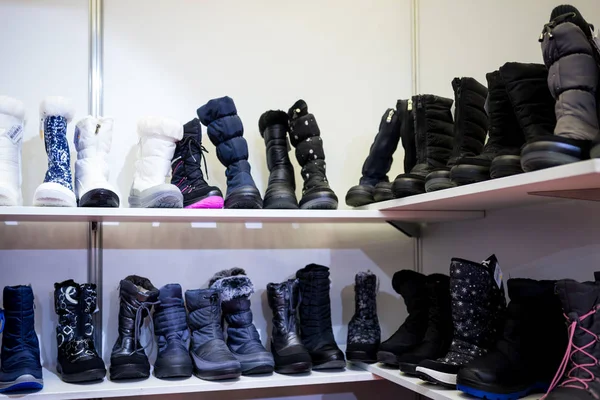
x: 57, y: 190
x: 156, y: 148
x: 93, y: 138
x: 12, y: 119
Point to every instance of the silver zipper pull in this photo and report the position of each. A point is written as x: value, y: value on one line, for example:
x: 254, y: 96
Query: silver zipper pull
x: 410, y: 105
x: 97, y: 129
x: 389, y: 117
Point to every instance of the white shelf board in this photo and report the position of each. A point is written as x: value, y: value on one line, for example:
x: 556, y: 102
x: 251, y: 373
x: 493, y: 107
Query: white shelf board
x: 505, y: 192
x: 416, y: 385
x: 55, y: 389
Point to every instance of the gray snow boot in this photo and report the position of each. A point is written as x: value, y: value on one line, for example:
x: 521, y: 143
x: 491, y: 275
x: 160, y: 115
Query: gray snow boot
x: 364, y: 333
x: 243, y: 339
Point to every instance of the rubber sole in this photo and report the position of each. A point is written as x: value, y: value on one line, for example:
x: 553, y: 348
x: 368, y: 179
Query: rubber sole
x: 280, y: 200
x: 360, y: 195
x: 173, y: 371
x: 244, y: 198
x: 547, y: 154
x: 22, y: 383
x: 83, y: 376
x: 505, y: 166
x: 325, y: 200
x: 128, y: 371
x: 407, y: 186
x: 491, y: 393
x: 160, y: 196
x: 385, y: 357
x: 99, y: 198
x: 438, y: 180
x: 437, y: 377
x: 218, y: 375
x: 259, y: 370
x: 408, y: 368
x: 207, y: 202
x: 361, y: 356
x: 383, y: 193
x: 51, y: 194
x: 333, y: 364
x: 296, y: 368
x: 466, y: 174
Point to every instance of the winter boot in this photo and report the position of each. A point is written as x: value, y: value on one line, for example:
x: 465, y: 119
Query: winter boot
x: 57, y: 189
x: 478, y: 307
x: 155, y: 152
x: 226, y: 131
x: 243, y: 339
x: 438, y: 335
x: 78, y: 360
x: 411, y: 286
x: 170, y: 327
x: 187, y: 170
x: 573, y: 81
x: 128, y: 359
x: 93, y: 138
x: 20, y: 367
x: 306, y: 138
x: 523, y: 361
x: 434, y: 135
x: 470, y: 129
x: 378, y: 163
x: 290, y: 355
x: 212, y: 359
x: 12, y: 121
x: 281, y: 191
x: 578, y: 376
x: 364, y: 333
x: 315, y: 318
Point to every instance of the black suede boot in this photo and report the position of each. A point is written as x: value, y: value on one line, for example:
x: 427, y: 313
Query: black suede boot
x: 78, y: 360
x: 281, y: 190
x: 433, y: 127
x: 315, y: 318
x: 470, y: 129
x: 523, y: 361
x: 364, y: 333
x: 290, y: 355
x: 378, y: 163
x: 128, y: 359
x: 306, y: 138
x: 438, y: 335
x: 411, y: 285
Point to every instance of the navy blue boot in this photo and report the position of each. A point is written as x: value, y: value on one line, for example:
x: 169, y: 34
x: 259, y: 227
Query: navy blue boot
x: 212, y: 359
x: 225, y: 131
x: 172, y: 334
x: 243, y: 339
x: 20, y: 368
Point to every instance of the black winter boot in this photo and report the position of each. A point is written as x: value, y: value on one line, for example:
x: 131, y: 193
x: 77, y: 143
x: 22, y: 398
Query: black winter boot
x: 433, y: 127
x: 578, y: 376
x: 212, y: 359
x: 243, y: 339
x: 315, y: 318
x: 478, y: 307
x: 281, y: 190
x: 306, y: 138
x: 364, y: 333
x: 290, y: 355
x: 438, y: 335
x: 187, y: 170
x: 378, y: 163
x: 470, y: 129
x: 411, y: 285
x: 78, y: 360
x: 523, y: 361
x: 128, y: 359
x: 172, y: 334
x: 573, y: 81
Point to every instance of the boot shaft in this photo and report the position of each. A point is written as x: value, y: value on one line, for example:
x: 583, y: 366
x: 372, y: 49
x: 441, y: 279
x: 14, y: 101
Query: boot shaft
x: 93, y: 139
x: 470, y: 127
x: 315, y: 306
x: 74, y: 304
x: 137, y: 297
x: 439, y: 325
x: 170, y: 317
x: 283, y: 299
x: 273, y: 127
x: 434, y: 129
x: 365, y: 295
x: 187, y: 158
x: 56, y: 113
x: 12, y: 121
x: 19, y: 334
x: 405, y: 110
x: 204, y: 315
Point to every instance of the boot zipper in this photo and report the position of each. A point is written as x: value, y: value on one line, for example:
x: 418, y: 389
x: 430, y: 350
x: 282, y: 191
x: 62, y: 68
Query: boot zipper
x: 389, y: 117
x: 410, y: 105
x: 457, y: 119
x: 97, y: 129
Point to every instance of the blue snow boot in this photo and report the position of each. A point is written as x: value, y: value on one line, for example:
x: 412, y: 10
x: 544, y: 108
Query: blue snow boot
x: 20, y: 359
x: 172, y: 334
x: 243, y: 339
x: 212, y: 359
x: 225, y: 131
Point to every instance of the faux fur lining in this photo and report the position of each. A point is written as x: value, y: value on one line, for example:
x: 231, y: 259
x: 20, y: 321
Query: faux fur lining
x: 159, y: 126
x: 233, y: 287
x: 13, y: 107
x: 226, y: 273
x: 270, y: 118
x: 57, y: 106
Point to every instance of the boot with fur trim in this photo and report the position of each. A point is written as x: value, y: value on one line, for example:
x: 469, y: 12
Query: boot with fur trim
x: 12, y: 120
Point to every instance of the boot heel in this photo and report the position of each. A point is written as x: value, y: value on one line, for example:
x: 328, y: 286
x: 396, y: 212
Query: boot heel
x: 505, y: 166
x: 245, y: 198
x: 129, y: 371
x: 548, y: 154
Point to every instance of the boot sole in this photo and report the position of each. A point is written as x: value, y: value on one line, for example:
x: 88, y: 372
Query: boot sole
x: 387, y: 358
x: 173, y: 371
x: 161, y: 196
x: 408, y: 368
x: 228, y: 373
x: 22, y: 383
x: 99, y: 198
x: 357, y: 196
x: 333, y: 364
x: 325, y: 200
x: 505, y: 166
x: 259, y: 370
x: 296, y: 368
x: 405, y: 187
x: 244, y: 198
x: 83, y: 376
x: 437, y: 377
x: 541, y: 155
x: 466, y: 174
x: 361, y: 356
x: 383, y: 194
x: 494, y: 392
x: 51, y: 194
x: 280, y: 200
x: 212, y: 201
x: 129, y: 371
x: 438, y: 180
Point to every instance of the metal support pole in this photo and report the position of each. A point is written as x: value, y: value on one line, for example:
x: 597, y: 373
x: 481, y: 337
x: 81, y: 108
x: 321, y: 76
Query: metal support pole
x: 96, y: 53
x: 415, y: 46
x: 95, y: 275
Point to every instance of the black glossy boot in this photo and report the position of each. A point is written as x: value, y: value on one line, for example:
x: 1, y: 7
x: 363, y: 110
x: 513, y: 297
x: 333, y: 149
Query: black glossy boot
x: 364, y: 333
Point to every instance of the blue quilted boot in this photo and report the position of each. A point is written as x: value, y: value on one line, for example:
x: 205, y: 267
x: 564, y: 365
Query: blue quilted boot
x: 212, y: 359
x: 243, y: 339
x: 172, y: 334
x: 225, y: 131
x: 20, y: 367
x: 57, y: 189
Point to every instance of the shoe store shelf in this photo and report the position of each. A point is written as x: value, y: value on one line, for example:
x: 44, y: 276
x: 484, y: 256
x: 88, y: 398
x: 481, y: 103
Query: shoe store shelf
x: 423, y: 388
x: 579, y: 180
x: 55, y: 389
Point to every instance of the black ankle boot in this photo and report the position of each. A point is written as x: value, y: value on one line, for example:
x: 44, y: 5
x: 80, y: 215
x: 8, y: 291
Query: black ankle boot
x: 523, y: 361
x: 306, y: 138
x: 78, y: 360
x: 364, y: 333
x: 281, y: 190
x: 315, y: 318
x: 378, y: 164
x: 128, y: 359
x: 411, y: 285
x: 434, y: 130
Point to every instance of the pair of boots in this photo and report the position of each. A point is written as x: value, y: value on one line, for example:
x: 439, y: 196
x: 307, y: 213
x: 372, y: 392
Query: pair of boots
x: 308, y: 344
x: 305, y: 136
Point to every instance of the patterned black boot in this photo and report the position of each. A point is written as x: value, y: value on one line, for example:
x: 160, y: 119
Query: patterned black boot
x: 364, y: 333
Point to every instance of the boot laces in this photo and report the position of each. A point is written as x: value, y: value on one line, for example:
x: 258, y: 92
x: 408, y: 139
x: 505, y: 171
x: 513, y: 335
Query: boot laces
x: 139, y: 318
x: 191, y: 143
x: 572, y: 381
